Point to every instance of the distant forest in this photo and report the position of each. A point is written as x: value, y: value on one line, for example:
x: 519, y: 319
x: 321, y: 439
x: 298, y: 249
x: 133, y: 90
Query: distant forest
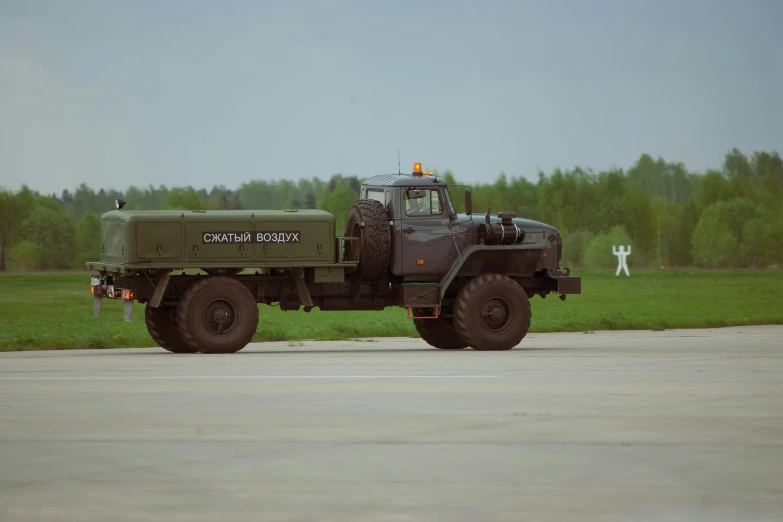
x: 730, y: 217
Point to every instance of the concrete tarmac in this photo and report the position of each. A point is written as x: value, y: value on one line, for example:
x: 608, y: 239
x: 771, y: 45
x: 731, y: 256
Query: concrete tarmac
x: 612, y: 426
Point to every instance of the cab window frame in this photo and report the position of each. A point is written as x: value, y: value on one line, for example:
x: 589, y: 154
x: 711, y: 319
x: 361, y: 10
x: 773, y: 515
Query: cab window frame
x: 431, y: 191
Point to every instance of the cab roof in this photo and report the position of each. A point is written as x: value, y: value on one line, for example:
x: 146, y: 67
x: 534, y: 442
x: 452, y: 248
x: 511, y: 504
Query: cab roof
x: 405, y: 180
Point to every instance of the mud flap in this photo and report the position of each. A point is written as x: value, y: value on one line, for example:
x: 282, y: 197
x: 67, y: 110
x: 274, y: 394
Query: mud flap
x: 127, y: 305
x: 97, y: 305
x: 157, y: 296
x: 301, y: 288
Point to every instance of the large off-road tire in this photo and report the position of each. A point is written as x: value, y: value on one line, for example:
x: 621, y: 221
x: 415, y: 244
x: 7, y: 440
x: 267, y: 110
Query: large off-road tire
x: 374, y: 237
x: 439, y: 332
x: 162, y: 326
x: 217, y: 315
x: 492, y: 312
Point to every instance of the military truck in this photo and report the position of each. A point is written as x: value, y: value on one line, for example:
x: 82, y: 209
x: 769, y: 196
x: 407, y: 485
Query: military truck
x: 465, y: 280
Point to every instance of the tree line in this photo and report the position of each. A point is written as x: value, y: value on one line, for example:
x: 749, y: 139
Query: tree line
x: 728, y: 217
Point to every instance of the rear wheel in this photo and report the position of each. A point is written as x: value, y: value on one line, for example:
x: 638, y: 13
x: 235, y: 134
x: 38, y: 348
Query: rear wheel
x: 492, y: 312
x: 439, y: 332
x: 162, y: 326
x: 217, y: 315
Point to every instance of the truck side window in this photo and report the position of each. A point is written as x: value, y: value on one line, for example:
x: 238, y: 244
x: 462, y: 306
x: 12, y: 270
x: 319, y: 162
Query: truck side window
x: 428, y: 205
x: 377, y: 195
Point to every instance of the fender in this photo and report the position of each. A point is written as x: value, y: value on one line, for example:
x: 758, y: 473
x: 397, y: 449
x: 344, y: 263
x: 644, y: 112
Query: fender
x: 465, y: 254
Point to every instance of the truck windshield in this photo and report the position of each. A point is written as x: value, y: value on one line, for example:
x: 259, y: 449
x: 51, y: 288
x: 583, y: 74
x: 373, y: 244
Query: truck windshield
x: 449, y: 202
x: 460, y: 200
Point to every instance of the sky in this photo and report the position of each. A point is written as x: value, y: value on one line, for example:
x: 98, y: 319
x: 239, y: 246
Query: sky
x: 205, y: 93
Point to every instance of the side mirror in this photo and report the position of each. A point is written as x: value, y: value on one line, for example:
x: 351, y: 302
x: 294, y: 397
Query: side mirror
x: 468, y: 202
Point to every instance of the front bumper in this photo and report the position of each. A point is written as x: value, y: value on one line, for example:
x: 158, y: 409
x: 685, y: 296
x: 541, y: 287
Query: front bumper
x: 566, y: 283
x: 569, y: 285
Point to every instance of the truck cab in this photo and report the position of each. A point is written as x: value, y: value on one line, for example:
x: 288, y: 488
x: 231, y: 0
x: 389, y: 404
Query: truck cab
x: 427, y: 232
x: 429, y: 235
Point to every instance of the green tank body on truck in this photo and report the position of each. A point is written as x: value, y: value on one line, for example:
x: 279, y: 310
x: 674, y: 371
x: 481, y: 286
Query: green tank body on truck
x: 465, y: 280
x: 155, y: 239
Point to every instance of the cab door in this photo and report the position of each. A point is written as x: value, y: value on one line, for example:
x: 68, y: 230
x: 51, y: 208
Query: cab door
x: 427, y: 244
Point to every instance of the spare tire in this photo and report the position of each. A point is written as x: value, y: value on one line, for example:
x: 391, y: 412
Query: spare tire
x: 368, y: 221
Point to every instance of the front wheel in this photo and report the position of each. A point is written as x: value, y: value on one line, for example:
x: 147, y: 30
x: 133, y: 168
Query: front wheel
x: 217, y: 315
x: 492, y: 312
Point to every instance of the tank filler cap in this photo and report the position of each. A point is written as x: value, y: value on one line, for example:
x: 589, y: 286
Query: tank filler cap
x: 506, y: 217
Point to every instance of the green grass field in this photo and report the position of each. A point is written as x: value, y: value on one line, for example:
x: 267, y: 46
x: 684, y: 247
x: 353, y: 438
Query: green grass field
x: 46, y: 311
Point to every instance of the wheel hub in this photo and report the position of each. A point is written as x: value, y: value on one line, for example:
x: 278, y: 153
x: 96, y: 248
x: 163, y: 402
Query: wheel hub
x: 219, y: 316
x: 494, y: 313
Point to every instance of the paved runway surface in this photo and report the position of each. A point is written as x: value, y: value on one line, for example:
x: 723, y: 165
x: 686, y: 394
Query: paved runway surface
x: 677, y: 425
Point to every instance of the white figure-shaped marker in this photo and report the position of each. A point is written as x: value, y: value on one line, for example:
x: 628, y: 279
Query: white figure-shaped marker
x: 622, y: 255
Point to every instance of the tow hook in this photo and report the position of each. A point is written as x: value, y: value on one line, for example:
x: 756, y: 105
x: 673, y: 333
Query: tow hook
x: 562, y: 297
